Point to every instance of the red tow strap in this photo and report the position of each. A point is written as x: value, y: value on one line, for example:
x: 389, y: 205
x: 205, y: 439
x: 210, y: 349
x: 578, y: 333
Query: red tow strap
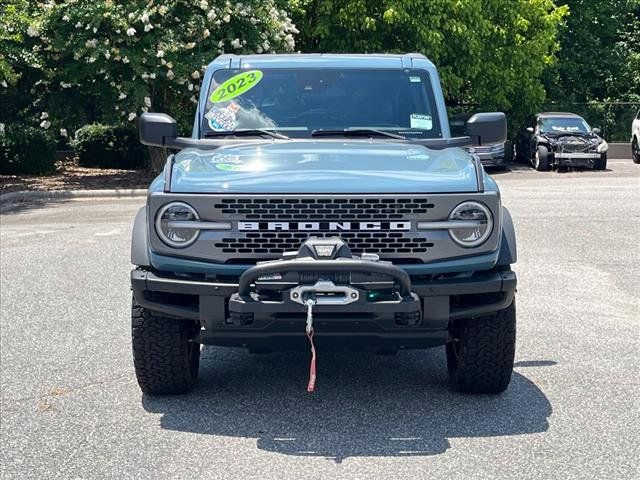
x: 309, y: 330
x: 312, y: 367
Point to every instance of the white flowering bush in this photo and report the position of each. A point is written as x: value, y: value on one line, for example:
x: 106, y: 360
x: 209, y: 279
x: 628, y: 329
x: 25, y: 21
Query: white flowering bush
x: 109, y: 61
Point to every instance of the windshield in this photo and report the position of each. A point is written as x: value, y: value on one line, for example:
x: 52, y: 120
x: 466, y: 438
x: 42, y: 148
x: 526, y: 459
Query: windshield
x: 563, y: 125
x: 296, y: 102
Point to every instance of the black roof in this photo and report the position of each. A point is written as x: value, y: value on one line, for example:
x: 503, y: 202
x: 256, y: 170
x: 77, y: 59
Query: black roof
x: 558, y: 114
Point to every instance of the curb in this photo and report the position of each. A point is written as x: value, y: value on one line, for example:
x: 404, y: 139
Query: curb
x: 8, y: 201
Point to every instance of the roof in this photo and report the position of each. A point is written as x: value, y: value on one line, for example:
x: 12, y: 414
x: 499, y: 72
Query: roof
x: 311, y: 60
x: 558, y: 114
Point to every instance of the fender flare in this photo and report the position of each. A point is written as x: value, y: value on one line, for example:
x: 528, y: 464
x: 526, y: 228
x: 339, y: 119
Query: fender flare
x: 508, y: 250
x: 139, y: 237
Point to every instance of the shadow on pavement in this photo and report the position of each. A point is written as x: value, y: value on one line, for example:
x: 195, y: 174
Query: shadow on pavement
x: 13, y: 208
x: 365, y: 404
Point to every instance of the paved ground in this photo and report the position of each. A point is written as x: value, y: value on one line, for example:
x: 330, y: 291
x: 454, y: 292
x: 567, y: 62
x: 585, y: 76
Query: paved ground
x: 71, y: 407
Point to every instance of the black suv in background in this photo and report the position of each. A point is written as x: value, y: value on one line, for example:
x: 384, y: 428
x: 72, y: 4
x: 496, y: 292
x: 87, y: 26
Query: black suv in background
x: 557, y: 139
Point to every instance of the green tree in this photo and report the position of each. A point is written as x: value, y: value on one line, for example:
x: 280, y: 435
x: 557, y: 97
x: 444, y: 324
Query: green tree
x: 490, y: 53
x: 600, y: 50
x: 108, y: 61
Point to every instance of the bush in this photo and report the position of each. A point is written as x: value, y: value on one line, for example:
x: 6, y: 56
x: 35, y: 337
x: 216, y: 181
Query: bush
x: 105, y: 146
x: 25, y: 149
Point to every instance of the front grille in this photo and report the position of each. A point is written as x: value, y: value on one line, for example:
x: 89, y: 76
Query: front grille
x: 269, y: 244
x: 324, y: 208
x: 574, y: 145
x: 381, y: 243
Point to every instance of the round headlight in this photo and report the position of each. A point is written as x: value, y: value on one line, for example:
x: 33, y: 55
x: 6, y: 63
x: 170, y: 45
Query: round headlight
x: 476, y: 224
x: 168, y: 226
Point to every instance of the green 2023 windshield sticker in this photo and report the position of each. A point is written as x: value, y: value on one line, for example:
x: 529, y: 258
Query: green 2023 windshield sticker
x: 236, y: 85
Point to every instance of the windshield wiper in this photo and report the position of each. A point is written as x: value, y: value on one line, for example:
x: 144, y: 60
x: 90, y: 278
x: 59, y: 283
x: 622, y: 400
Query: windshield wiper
x: 246, y: 132
x: 355, y: 132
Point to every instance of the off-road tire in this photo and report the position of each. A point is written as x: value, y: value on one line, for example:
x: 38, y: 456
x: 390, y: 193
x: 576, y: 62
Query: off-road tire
x: 601, y: 163
x: 541, y: 159
x: 165, y: 360
x: 481, y: 350
x: 635, y: 151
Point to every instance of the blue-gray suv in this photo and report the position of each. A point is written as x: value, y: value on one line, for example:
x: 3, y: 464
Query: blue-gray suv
x: 321, y: 201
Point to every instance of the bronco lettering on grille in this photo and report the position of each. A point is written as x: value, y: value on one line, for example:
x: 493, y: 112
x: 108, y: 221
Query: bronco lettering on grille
x: 324, y: 226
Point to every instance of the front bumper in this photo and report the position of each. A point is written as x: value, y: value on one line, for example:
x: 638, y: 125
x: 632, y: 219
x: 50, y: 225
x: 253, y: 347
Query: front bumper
x: 492, y: 159
x: 279, y: 323
x: 566, y: 159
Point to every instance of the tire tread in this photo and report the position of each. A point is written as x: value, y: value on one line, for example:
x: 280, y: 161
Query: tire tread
x: 160, y: 353
x: 487, y: 351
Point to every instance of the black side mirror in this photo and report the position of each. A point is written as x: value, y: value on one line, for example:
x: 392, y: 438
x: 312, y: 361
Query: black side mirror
x: 157, y: 129
x: 487, y: 128
x: 596, y: 130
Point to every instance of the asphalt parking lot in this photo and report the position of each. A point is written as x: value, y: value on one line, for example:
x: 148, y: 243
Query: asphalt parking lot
x: 71, y: 407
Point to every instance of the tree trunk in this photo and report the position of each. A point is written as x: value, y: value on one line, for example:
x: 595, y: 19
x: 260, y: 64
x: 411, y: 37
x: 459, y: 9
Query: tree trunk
x: 157, y: 158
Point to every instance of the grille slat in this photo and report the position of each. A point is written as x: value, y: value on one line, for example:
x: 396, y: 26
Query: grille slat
x: 325, y: 209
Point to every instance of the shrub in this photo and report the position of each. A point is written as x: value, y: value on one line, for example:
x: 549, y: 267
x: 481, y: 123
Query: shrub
x: 25, y: 149
x: 105, y: 146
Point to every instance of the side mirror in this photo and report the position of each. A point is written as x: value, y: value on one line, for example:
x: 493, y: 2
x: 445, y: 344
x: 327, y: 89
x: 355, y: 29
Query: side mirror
x: 488, y: 128
x: 530, y: 129
x: 596, y: 130
x: 157, y: 129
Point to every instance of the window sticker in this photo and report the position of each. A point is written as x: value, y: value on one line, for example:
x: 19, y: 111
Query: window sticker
x: 421, y: 121
x: 236, y: 85
x: 223, y: 119
x: 415, y: 79
x: 229, y: 167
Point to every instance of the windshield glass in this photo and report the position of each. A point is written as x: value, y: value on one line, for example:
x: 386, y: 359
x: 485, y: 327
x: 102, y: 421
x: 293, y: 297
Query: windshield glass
x: 563, y: 125
x: 296, y: 102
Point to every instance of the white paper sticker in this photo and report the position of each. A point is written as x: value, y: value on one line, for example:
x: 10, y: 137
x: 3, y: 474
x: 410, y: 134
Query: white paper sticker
x: 419, y: 120
x: 413, y: 79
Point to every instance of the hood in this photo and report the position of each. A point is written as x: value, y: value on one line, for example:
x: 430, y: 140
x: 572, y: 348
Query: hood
x: 324, y: 166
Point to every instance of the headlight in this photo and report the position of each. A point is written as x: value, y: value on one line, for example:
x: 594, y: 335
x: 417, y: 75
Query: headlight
x: 477, y: 226
x: 170, y: 234
x: 603, y: 147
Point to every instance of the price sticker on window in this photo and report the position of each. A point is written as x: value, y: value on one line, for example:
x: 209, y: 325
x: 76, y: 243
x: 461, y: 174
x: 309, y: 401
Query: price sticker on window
x: 235, y: 86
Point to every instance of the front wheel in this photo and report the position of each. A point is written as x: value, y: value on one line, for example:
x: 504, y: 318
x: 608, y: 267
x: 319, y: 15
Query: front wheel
x: 481, y: 350
x: 541, y: 159
x: 165, y: 358
x: 601, y: 163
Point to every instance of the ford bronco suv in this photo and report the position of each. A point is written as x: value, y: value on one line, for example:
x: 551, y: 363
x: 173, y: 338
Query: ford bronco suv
x: 321, y: 202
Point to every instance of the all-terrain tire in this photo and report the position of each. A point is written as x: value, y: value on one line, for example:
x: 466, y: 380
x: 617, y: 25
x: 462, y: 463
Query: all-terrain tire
x: 601, y: 163
x: 541, y: 159
x: 165, y: 360
x: 481, y: 351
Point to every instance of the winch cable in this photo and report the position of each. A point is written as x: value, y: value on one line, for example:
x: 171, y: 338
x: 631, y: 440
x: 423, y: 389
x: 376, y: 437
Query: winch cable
x: 309, y: 330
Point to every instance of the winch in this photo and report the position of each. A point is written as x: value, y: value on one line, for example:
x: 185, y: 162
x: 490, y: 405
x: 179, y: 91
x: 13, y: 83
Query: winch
x: 324, y: 278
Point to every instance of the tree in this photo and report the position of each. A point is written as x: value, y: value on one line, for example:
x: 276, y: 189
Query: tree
x: 490, y: 53
x: 600, y: 52
x: 109, y: 61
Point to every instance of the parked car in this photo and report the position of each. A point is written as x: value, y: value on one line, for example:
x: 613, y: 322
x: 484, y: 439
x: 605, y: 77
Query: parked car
x: 635, y: 138
x: 322, y: 198
x: 496, y: 156
x: 558, y: 139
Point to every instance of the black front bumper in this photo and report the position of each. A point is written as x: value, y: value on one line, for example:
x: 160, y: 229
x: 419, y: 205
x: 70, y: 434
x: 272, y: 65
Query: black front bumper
x: 580, y: 160
x: 230, y: 319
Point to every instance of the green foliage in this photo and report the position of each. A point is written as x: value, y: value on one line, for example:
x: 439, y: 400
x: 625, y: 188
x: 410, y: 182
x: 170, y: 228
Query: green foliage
x: 109, y: 61
x: 105, y: 146
x: 490, y: 53
x: 25, y: 149
x: 600, y: 55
